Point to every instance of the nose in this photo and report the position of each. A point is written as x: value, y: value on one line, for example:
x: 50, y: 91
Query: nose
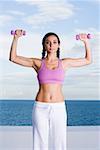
x: 50, y: 44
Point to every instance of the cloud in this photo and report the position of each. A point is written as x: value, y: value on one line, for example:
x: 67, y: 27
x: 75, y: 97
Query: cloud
x: 93, y: 31
x: 48, y: 12
x: 17, y: 13
x: 4, y: 19
x: 31, y: 2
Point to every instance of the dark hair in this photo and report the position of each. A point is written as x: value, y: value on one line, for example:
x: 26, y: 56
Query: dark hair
x: 43, y: 41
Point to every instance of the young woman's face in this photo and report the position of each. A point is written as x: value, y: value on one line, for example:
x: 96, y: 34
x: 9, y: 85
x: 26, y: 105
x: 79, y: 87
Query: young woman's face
x: 51, y: 44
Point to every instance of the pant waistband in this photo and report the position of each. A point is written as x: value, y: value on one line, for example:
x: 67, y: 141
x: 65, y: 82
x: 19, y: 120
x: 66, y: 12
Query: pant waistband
x: 44, y: 104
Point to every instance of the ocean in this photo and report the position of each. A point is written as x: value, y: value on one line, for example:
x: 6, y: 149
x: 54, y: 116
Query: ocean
x: 80, y: 112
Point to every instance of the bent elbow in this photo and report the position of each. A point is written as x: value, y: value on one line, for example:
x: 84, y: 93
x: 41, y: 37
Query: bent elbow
x: 12, y: 59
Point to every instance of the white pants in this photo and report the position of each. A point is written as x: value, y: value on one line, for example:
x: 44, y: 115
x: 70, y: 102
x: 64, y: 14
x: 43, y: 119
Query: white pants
x: 49, y: 126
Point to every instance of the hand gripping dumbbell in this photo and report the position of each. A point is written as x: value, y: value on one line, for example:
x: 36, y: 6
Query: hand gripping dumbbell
x: 88, y: 36
x: 14, y: 32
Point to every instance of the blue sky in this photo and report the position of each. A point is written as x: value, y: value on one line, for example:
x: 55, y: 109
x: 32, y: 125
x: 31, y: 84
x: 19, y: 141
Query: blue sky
x: 66, y: 18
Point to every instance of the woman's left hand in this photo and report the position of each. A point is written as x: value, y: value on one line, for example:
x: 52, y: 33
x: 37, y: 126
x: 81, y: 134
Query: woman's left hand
x: 83, y: 37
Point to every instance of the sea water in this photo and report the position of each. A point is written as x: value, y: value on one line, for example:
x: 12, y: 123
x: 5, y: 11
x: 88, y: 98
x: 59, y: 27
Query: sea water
x: 80, y: 112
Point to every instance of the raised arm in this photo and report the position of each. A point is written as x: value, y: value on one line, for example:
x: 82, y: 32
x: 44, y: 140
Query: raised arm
x: 78, y: 62
x: 24, y: 61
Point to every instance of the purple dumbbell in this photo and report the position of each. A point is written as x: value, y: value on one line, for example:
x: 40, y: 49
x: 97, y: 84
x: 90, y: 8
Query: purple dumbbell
x: 14, y: 32
x: 88, y: 36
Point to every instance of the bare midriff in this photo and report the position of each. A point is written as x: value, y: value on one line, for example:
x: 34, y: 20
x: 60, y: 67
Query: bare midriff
x: 50, y: 93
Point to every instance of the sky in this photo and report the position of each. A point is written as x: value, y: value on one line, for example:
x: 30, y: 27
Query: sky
x: 38, y: 17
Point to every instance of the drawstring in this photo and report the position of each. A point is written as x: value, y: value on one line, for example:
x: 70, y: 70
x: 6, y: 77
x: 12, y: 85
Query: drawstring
x: 50, y: 113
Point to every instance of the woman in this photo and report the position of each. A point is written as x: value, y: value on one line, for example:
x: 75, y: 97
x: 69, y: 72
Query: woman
x: 49, y: 112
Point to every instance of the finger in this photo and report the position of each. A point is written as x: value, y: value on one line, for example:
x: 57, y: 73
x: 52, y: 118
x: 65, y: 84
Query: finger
x: 83, y: 35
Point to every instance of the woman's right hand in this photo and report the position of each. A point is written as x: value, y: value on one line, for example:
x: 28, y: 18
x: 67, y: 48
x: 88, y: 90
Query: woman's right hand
x: 18, y: 33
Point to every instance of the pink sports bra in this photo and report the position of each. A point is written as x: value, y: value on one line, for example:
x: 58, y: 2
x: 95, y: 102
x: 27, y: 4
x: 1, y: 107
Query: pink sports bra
x: 46, y: 75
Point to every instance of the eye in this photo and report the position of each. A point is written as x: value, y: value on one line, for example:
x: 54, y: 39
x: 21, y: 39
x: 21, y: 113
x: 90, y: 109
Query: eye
x: 47, y: 42
x: 55, y: 42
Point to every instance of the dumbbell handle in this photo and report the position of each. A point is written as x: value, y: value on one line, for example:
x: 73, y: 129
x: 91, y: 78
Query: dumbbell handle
x: 88, y: 36
x: 14, y: 32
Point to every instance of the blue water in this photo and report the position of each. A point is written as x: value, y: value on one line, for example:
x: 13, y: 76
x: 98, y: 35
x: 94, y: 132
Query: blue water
x: 19, y: 112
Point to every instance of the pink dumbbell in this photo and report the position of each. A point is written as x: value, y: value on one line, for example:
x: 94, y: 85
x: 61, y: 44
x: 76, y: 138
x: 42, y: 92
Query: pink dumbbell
x: 78, y: 37
x: 14, y: 32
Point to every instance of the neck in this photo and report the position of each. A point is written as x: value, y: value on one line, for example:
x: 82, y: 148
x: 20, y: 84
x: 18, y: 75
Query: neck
x: 51, y: 57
